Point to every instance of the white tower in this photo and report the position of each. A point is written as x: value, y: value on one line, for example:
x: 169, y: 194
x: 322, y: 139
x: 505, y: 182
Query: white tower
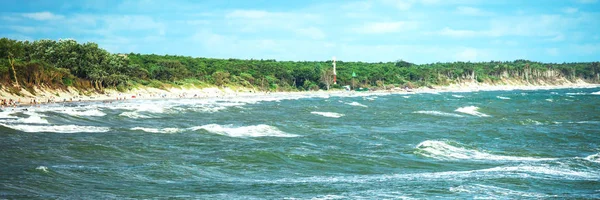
x: 334, y: 73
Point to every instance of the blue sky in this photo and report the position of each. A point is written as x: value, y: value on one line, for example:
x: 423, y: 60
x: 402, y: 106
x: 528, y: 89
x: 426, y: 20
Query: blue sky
x: 419, y: 31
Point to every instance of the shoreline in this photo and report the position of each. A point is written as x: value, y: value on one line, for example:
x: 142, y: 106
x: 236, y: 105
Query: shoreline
x: 45, y: 97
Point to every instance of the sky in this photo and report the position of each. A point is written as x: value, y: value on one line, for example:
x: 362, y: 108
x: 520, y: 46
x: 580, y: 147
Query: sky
x: 418, y: 31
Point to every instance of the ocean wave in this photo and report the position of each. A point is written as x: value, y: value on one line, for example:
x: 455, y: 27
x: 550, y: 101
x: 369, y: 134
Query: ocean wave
x: 328, y: 114
x: 549, y: 100
x: 471, y: 110
x: 521, y: 171
x: 458, y: 96
x: 57, y: 128
x: 134, y: 115
x: 437, y: 113
x: 531, y: 122
x: 74, y: 112
x: 577, y: 93
x: 42, y: 168
x: 260, y: 130
x: 501, y: 97
x: 357, y: 104
x: 593, y: 158
x: 443, y: 151
x: 595, y: 93
x: 33, y: 119
x: 406, y: 97
x: 493, y: 191
x: 156, y: 130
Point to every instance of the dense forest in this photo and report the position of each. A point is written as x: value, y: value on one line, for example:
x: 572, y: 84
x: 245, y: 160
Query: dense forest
x: 64, y: 63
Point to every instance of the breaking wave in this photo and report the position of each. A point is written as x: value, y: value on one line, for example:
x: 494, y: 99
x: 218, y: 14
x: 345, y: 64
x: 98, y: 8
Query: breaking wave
x: 356, y: 104
x: 443, y: 151
x: 471, y: 110
x: 74, y: 112
x: 594, y: 158
x: 501, y: 97
x: 134, y: 115
x: 58, y: 128
x: 437, y: 113
x: 328, y: 114
x: 260, y: 130
x: 156, y: 130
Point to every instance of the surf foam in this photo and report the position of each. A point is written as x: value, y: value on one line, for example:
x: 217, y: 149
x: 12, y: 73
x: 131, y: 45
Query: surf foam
x: 90, y: 113
x: 443, y: 151
x: 471, y: 110
x: 458, y: 96
x: 42, y: 168
x: 156, y: 130
x: 501, y: 97
x: 328, y: 114
x: 437, y: 113
x: 593, y: 158
x: 260, y: 130
x: 357, y: 104
x: 58, y: 128
x: 134, y: 115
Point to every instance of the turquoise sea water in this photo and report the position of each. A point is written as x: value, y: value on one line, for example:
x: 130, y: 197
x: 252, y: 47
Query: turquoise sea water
x: 499, y: 144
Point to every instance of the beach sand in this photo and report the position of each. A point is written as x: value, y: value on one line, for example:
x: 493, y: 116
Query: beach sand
x: 44, y: 96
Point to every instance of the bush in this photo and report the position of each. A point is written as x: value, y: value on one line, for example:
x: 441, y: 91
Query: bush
x: 67, y: 81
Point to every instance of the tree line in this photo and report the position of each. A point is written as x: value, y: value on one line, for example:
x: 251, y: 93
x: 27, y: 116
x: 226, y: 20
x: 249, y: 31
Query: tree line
x: 64, y: 63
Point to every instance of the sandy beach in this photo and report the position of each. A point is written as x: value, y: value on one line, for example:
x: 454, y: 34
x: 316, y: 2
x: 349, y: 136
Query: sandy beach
x: 45, y: 96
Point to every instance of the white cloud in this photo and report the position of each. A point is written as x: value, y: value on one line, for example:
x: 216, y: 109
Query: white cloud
x: 311, y: 32
x: 23, y: 29
x: 471, y: 11
x: 399, y: 4
x: 468, y: 54
x: 387, y: 27
x: 41, y: 16
x: 570, y: 10
x: 552, y: 51
x: 587, y: 1
x: 249, y: 14
x: 557, y: 38
x: 458, y: 33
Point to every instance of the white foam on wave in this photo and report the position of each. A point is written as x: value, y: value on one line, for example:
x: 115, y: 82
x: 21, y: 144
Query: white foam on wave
x: 443, y: 151
x: 7, y: 114
x: 58, y: 128
x: 501, y: 97
x: 134, y: 115
x: 33, y: 118
x: 471, y: 110
x: 156, y: 130
x: 357, y: 104
x: 520, y: 171
x: 594, y: 158
x: 260, y: 130
x: 328, y: 114
x: 437, y: 113
x: 406, y: 97
x: 549, y: 100
x: 458, y: 96
x: 531, y: 122
x: 493, y: 191
x: 87, y: 112
x: 577, y: 93
x: 42, y: 168
x: 595, y: 93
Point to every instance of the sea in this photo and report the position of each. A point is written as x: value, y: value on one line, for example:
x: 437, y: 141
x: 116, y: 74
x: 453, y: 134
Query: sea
x: 515, y: 144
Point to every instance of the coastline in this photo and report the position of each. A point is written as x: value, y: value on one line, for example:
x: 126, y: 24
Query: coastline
x: 45, y: 96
